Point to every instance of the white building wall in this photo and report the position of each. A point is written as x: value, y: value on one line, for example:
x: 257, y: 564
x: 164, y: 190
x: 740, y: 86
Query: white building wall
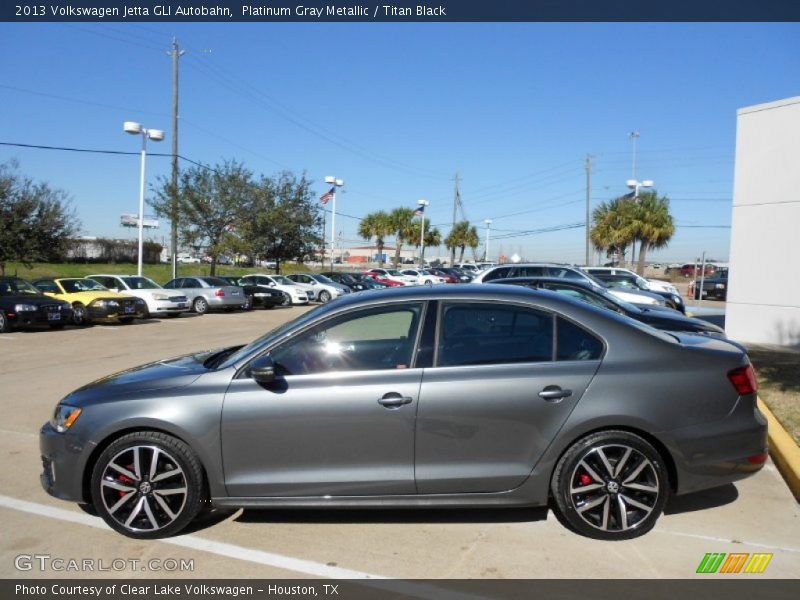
x: 764, y: 287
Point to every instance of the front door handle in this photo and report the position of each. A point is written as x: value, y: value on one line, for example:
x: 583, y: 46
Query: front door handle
x: 393, y: 400
x: 554, y: 393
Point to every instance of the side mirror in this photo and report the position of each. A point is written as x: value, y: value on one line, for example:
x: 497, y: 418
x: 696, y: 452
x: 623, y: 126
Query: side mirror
x: 263, y: 369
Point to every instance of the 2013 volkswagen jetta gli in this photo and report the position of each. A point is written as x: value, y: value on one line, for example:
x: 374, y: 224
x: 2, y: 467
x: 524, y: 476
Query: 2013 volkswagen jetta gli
x: 459, y: 396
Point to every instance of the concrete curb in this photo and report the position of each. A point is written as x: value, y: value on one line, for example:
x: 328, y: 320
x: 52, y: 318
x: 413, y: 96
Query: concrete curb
x: 784, y: 451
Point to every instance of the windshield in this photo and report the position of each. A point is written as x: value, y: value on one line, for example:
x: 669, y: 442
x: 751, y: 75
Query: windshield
x: 272, y: 334
x: 17, y: 287
x: 394, y: 272
x: 72, y: 286
x: 141, y: 283
x: 346, y: 278
x: 321, y: 278
x: 280, y: 279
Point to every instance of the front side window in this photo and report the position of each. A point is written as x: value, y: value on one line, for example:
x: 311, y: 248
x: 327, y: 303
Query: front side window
x: 140, y: 283
x: 367, y: 340
x: 485, y: 334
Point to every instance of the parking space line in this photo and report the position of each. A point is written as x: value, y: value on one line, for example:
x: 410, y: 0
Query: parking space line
x: 711, y: 538
x: 192, y: 542
x: 25, y: 433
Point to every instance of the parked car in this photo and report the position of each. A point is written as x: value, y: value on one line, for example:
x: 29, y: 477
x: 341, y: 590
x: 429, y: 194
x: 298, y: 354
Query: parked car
x: 22, y: 305
x: 423, y: 276
x: 448, y: 396
x: 257, y: 295
x: 208, y: 293
x: 714, y: 287
x: 92, y: 302
x: 350, y: 281
x: 565, y: 272
x: 393, y: 275
x: 448, y: 277
x: 188, y: 259
x: 469, y: 268
x: 462, y: 276
x: 370, y: 281
x: 628, y: 280
x: 293, y: 292
x: 158, y: 301
x: 322, y: 288
x: 660, y: 318
x: 385, y: 281
x: 692, y: 269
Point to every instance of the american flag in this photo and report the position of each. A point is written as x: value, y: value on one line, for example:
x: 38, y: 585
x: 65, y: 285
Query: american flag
x: 419, y: 212
x: 329, y: 195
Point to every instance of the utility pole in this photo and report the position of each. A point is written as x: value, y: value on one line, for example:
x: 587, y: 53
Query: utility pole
x: 322, y: 262
x: 456, y: 200
x: 588, y: 202
x: 176, y: 53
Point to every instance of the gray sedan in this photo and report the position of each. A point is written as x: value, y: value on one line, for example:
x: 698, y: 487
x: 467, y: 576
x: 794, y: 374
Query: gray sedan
x: 455, y: 396
x: 208, y: 293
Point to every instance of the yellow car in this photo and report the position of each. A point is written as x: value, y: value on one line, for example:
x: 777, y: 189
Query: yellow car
x: 91, y: 301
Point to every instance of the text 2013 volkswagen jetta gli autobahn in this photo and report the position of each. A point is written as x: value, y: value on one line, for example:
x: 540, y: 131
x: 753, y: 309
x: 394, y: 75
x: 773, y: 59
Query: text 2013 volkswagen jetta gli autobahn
x: 455, y: 396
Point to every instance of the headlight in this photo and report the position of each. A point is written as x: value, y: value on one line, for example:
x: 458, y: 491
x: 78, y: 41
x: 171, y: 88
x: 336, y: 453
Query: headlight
x: 24, y: 307
x: 64, y: 416
x: 108, y: 303
x: 160, y: 297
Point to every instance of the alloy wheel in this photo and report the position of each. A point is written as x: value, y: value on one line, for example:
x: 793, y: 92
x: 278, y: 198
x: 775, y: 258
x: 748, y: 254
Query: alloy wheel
x: 324, y: 297
x: 614, y: 487
x: 79, y: 314
x: 200, y: 305
x: 143, y: 488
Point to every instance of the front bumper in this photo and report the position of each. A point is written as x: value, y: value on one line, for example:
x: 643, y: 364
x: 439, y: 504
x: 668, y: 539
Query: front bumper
x: 63, y: 463
x: 114, y: 313
x: 39, y: 318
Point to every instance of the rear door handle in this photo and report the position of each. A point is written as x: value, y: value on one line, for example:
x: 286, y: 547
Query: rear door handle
x: 553, y: 392
x: 394, y: 400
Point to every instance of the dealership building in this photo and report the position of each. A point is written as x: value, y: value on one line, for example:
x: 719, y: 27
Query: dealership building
x: 763, y: 304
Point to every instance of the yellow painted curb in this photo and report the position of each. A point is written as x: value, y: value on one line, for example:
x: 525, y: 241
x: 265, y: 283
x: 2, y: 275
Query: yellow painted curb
x: 784, y: 451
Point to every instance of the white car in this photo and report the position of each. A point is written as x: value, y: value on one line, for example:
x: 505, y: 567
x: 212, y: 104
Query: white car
x: 650, y: 284
x: 279, y: 282
x: 188, y: 259
x: 423, y: 276
x: 159, y: 301
x: 394, y: 275
x: 320, y: 287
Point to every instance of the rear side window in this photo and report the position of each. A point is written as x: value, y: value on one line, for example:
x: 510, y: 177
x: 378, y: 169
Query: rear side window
x: 575, y: 343
x: 564, y: 273
x: 486, y: 334
x: 529, y: 272
x: 497, y: 274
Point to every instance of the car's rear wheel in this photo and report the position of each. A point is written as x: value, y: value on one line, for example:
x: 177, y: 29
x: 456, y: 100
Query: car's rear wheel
x: 611, y: 485
x: 248, y: 302
x: 147, y: 485
x: 5, y: 326
x: 200, y: 306
x: 80, y: 315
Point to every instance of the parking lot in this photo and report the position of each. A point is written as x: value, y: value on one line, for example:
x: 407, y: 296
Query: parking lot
x: 757, y: 515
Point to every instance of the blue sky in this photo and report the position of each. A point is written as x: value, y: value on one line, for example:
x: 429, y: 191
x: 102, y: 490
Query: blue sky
x: 396, y: 109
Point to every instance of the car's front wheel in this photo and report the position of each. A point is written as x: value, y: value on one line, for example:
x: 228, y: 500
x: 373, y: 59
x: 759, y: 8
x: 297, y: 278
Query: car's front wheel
x: 611, y: 485
x: 324, y: 297
x: 147, y: 485
x: 80, y: 315
x: 5, y: 326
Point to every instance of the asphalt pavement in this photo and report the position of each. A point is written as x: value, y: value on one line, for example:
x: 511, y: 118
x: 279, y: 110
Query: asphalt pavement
x: 758, y: 515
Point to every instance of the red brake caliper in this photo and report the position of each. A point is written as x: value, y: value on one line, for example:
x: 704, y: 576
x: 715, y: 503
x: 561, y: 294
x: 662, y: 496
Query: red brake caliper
x: 124, y: 479
x: 584, y: 479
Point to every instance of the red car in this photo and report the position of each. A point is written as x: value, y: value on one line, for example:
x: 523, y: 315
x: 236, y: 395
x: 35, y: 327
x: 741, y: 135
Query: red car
x: 688, y: 270
x: 446, y: 276
x: 383, y: 280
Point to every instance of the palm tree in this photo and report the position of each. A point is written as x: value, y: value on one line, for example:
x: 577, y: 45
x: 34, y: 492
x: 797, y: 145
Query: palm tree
x: 403, y: 227
x: 432, y: 238
x: 378, y: 225
x: 610, y: 232
x: 652, y: 224
x: 461, y: 236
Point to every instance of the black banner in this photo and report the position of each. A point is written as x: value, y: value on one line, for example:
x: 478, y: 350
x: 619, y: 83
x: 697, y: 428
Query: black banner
x: 712, y: 588
x: 400, y: 10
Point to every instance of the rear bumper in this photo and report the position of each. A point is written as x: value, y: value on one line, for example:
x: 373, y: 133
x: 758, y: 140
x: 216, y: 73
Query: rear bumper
x: 714, y: 454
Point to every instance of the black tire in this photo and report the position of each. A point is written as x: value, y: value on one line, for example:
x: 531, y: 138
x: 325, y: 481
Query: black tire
x: 154, y: 508
x: 619, y: 504
x: 287, y: 300
x: 248, y: 302
x: 5, y: 326
x: 200, y: 305
x: 429, y: 283
x: 126, y: 320
x: 146, y: 313
x: 80, y: 315
x: 324, y: 297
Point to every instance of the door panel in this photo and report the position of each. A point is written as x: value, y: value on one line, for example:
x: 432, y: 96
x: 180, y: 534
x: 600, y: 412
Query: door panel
x: 321, y: 434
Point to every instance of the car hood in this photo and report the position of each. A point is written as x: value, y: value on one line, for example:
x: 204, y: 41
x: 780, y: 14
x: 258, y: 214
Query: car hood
x: 161, y: 375
x: 28, y: 299
x: 87, y: 297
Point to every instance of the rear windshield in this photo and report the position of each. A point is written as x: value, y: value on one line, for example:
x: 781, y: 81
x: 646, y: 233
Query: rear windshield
x: 214, y: 281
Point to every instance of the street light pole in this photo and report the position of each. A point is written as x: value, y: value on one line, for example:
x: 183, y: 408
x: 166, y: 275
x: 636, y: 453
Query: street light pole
x: 486, y: 252
x: 335, y: 183
x: 421, y: 213
x: 156, y: 135
x: 635, y: 185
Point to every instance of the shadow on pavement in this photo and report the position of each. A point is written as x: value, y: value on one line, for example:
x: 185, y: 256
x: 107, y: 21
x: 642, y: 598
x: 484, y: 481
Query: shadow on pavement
x: 712, y: 498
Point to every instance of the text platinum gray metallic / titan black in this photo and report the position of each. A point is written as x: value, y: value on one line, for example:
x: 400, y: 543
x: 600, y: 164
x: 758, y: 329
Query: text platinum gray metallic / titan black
x: 455, y: 396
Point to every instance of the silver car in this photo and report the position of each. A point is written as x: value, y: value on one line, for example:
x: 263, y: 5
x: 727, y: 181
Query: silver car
x: 208, y: 293
x: 450, y: 396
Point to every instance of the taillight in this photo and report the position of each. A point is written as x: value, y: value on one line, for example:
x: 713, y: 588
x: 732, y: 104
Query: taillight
x: 219, y: 293
x: 744, y: 380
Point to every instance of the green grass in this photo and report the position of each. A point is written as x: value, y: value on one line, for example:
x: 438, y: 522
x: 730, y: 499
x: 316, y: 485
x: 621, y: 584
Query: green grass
x: 778, y: 371
x: 158, y: 273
